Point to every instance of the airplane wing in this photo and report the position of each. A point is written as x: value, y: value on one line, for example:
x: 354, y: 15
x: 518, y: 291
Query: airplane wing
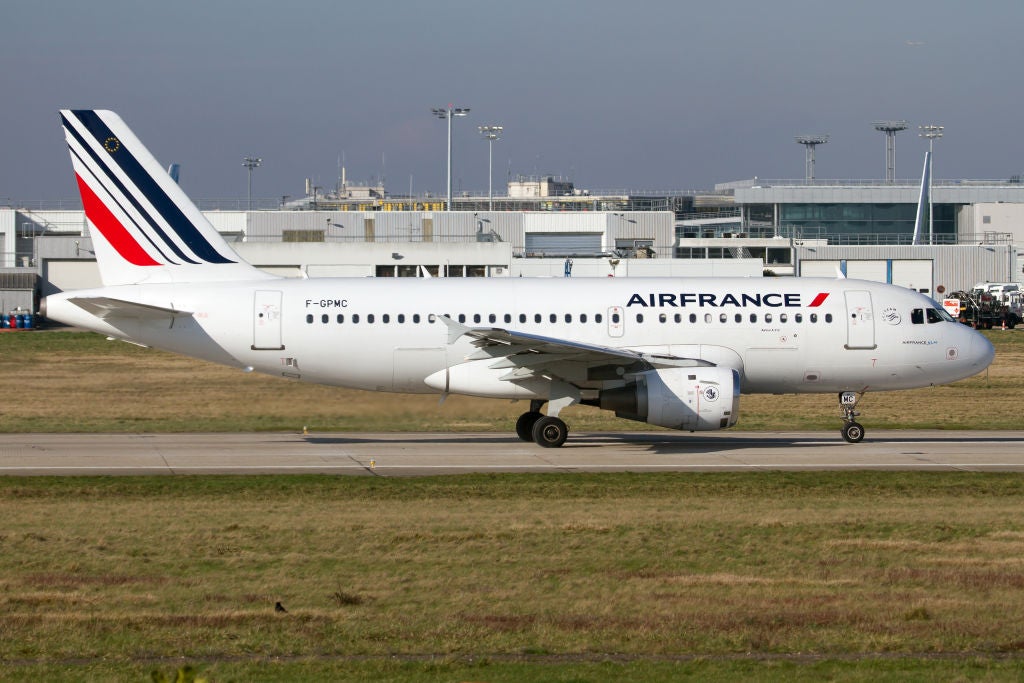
x: 526, y: 355
x: 107, y: 308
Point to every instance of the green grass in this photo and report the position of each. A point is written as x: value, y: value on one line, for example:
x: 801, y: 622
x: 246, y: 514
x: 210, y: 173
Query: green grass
x: 79, y: 382
x: 514, y: 577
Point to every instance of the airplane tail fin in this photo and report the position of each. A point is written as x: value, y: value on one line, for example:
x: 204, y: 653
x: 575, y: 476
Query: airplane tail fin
x: 144, y: 228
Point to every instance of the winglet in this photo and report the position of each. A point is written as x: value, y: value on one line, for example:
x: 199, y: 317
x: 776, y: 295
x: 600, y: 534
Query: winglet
x: 455, y: 330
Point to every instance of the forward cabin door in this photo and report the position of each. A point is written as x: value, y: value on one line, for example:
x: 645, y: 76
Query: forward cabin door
x: 266, y: 321
x: 860, y: 320
x: 616, y: 321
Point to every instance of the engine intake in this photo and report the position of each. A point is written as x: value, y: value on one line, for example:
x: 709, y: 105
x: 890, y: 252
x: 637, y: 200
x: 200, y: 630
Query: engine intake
x: 691, y: 399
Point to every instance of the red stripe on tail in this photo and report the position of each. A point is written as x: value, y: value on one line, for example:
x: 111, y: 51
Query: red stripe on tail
x: 115, y: 233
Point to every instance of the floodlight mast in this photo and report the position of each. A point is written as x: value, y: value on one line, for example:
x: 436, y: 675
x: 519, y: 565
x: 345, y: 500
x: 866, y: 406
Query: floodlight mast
x: 932, y: 133
x: 250, y: 163
x: 490, y: 133
x: 890, y: 128
x: 447, y: 113
x: 810, y: 142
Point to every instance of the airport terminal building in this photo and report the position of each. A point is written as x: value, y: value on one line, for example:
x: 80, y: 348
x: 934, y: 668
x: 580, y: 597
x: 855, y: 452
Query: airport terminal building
x: 546, y: 227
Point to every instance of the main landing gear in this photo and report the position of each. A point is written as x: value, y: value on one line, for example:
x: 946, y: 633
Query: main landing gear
x: 544, y: 430
x: 852, y: 430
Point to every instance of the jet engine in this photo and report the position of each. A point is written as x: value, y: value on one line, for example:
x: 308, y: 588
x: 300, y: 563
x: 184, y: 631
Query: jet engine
x: 691, y: 399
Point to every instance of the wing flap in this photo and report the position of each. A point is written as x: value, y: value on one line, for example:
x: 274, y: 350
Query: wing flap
x: 524, y: 355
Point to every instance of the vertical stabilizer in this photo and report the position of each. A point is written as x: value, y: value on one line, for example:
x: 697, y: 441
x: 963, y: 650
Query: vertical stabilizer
x: 923, y: 199
x: 144, y: 228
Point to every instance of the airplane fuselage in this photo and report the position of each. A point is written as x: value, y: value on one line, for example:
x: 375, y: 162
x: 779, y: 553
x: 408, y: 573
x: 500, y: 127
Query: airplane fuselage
x: 782, y: 335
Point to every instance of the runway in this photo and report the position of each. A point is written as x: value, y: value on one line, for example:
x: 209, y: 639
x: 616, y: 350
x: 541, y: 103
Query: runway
x: 420, y: 454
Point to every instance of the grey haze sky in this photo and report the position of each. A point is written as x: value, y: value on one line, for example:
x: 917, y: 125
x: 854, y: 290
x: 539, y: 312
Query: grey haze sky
x: 650, y: 94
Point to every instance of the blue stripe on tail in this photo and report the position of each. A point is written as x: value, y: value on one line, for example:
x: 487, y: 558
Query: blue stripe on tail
x: 156, y: 196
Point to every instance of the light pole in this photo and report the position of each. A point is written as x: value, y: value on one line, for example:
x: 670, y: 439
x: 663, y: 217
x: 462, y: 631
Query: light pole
x: 490, y: 133
x: 251, y: 163
x: 447, y: 113
x: 931, y: 132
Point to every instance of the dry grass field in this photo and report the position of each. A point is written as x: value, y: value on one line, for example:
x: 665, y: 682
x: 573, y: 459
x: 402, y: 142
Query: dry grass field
x: 79, y: 382
x: 810, y: 576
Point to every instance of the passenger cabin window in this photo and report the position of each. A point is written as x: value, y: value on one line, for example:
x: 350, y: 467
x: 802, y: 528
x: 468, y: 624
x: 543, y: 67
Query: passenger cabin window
x: 917, y: 316
x: 598, y: 318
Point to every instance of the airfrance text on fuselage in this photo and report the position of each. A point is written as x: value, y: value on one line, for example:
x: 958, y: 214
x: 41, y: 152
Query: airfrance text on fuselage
x: 702, y: 299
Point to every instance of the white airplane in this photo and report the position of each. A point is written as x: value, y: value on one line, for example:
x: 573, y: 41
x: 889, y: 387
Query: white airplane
x: 666, y: 351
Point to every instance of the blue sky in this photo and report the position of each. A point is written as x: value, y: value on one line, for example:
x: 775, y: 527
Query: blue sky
x: 655, y: 94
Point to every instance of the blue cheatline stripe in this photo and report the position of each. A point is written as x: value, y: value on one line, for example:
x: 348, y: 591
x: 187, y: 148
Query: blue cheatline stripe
x: 101, y: 165
x: 114, y: 199
x: 181, y: 225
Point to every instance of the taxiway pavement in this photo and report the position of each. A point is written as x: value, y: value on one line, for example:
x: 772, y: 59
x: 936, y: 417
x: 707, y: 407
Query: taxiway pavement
x: 419, y: 454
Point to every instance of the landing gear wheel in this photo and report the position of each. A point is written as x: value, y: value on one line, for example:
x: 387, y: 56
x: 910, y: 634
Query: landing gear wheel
x: 853, y: 432
x: 524, y: 425
x: 550, y: 432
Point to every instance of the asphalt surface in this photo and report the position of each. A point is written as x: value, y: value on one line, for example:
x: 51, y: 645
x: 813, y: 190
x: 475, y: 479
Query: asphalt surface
x: 419, y: 454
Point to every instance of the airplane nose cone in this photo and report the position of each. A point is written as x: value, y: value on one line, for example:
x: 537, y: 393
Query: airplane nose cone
x: 982, y: 351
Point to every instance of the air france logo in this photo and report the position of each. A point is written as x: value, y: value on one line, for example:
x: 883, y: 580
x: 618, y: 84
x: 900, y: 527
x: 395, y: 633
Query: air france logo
x: 707, y: 299
x: 711, y: 393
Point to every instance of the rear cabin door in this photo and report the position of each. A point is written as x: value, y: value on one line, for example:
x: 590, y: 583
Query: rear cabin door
x: 860, y: 320
x: 266, y: 321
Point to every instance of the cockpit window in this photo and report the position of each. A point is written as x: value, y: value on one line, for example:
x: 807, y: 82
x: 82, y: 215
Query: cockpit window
x: 939, y: 315
x: 917, y: 316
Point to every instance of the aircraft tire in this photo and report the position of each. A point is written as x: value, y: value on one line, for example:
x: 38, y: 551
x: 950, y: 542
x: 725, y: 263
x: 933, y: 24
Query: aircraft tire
x: 550, y: 432
x: 524, y: 425
x: 853, y: 432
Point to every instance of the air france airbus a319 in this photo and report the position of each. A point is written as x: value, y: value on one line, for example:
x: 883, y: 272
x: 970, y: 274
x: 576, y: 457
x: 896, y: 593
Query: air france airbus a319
x: 665, y: 351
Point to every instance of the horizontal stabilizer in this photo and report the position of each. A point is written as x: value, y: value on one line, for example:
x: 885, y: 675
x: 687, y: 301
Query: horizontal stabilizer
x: 105, y: 307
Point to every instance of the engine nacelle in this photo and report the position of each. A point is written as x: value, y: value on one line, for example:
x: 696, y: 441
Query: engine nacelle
x: 691, y: 399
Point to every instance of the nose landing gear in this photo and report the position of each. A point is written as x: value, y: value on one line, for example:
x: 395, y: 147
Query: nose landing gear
x: 853, y: 431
